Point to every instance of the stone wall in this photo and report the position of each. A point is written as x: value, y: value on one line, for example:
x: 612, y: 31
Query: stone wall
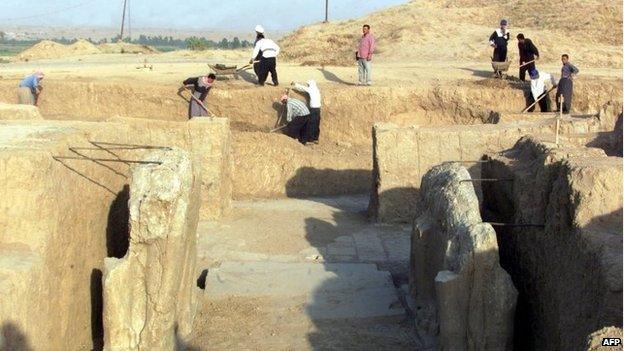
x: 402, y: 155
x: 62, y: 213
x: 150, y: 295
x: 454, y: 266
x: 567, y: 265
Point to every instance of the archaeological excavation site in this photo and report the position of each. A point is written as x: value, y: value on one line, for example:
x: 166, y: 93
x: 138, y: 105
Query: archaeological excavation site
x: 432, y: 214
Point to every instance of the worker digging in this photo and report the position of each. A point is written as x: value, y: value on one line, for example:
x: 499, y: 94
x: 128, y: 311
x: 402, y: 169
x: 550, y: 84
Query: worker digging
x: 200, y: 87
x: 539, y: 92
x: 30, y: 88
x: 314, y: 124
x: 528, y: 53
x: 265, y: 52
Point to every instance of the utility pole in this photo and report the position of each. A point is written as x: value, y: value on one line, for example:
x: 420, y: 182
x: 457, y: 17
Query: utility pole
x: 326, y: 11
x: 123, y: 20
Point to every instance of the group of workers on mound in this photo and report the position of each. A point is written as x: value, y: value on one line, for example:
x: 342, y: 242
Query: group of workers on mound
x: 303, y: 120
x: 541, y: 82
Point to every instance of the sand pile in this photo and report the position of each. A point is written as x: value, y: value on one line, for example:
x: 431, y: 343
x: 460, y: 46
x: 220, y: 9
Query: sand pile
x: 590, y: 31
x: 126, y: 48
x: 47, y: 49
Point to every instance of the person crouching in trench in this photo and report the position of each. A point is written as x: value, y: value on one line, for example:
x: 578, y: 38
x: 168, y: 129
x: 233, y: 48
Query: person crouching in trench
x: 30, y: 89
x: 297, y: 116
x: 200, y: 87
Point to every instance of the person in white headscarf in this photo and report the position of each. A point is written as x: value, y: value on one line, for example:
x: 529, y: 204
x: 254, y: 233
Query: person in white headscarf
x: 314, y: 124
x: 265, y: 51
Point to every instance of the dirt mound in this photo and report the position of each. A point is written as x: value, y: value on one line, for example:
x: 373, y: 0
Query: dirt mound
x: 126, y: 48
x: 47, y: 49
x: 458, y: 30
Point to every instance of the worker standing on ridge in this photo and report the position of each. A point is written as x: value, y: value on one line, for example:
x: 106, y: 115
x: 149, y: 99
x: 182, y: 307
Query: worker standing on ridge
x: 498, y: 40
x: 314, y: 124
x: 266, y: 50
x: 566, y: 84
x: 297, y: 116
x: 200, y: 87
x: 528, y: 52
x: 539, y: 87
x: 364, y: 56
x: 259, y: 35
x: 30, y: 89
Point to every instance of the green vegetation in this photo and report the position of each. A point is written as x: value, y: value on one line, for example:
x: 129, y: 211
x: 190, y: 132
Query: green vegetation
x: 10, y: 47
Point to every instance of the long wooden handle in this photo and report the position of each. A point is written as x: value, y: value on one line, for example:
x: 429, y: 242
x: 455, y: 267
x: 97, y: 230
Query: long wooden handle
x: 526, y: 63
x: 538, y: 100
x: 201, y: 104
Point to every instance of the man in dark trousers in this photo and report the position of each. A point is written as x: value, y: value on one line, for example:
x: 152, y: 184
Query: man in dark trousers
x: 297, y: 116
x: 498, y: 40
x: 566, y: 85
x: 266, y: 50
x: 200, y: 87
x: 528, y: 52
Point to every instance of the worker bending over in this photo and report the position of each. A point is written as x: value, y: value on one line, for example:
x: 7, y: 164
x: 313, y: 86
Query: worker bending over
x: 566, y: 85
x: 30, y: 89
x: 200, y: 87
x: 314, y: 124
x: 297, y: 116
x: 498, y: 40
x: 541, y: 82
x: 528, y: 53
x: 266, y: 51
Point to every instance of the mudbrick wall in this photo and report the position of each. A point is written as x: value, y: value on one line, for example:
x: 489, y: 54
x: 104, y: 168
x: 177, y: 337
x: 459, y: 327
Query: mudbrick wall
x: 63, y: 212
x: 567, y: 263
x: 402, y: 155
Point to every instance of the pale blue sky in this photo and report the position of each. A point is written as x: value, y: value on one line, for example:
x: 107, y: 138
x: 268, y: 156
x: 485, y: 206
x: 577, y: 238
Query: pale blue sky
x: 277, y: 15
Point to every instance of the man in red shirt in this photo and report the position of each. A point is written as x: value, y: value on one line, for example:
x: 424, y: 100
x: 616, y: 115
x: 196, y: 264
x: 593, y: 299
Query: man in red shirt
x: 364, y: 56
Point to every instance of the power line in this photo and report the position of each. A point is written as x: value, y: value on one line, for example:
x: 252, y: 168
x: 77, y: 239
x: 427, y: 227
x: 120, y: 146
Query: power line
x: 48, y: 13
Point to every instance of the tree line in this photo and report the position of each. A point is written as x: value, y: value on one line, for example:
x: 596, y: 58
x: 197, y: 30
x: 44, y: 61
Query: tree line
x: 159, y: 42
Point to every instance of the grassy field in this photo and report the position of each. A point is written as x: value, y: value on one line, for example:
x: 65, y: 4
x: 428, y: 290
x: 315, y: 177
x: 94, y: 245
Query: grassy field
x: 12, y: 49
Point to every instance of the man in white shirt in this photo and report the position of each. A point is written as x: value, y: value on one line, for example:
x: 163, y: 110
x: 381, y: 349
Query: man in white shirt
x: 539, y: 83
x: 314, y: 123
x: 266, y: 50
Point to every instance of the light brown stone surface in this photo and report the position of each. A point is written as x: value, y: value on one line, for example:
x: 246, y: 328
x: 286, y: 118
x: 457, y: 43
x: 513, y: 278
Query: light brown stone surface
x: 454, y: 266
x: 18, y: 112
x: 150, y: 294
x: 569, y: 272
x: 59, y: 218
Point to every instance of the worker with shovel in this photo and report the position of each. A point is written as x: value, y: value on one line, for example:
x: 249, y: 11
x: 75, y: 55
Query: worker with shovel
x: 297, y: 116
x: 30, y: 89
x: 314, y: 125
x: 528, y: 55
x: 539, y: 92
x: 265, y: 51
x: 200, y: 87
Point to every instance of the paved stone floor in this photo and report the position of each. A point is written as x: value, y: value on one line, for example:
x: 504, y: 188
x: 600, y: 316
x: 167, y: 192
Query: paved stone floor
x: 315, y: 273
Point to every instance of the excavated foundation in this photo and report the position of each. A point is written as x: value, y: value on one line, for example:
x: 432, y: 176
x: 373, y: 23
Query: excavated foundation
x: 563, y: 242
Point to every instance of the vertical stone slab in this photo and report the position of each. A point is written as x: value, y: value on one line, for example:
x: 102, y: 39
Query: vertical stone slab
x: 455, y: 265
x: 150, y: 294
x: 210, y: 143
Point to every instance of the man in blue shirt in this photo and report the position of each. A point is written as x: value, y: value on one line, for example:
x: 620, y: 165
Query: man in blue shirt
x: 30, y: 88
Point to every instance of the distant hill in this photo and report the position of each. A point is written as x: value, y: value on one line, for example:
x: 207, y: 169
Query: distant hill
x: 456, y: 30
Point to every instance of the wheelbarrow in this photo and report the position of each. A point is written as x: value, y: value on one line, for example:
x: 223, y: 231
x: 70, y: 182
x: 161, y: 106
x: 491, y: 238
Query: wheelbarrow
x: 223, y: 71
x: 501, y: 68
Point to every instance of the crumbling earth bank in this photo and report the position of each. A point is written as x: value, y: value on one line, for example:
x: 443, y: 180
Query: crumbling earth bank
x: 454, y: 266
x: 53, y: 265
x: 567, y: 265
x: 150, y: 294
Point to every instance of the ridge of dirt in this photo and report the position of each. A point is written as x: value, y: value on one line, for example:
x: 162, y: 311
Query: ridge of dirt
x: 458, y: 30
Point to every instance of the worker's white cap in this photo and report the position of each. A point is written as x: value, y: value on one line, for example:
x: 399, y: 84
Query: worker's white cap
x: 260, y: 29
